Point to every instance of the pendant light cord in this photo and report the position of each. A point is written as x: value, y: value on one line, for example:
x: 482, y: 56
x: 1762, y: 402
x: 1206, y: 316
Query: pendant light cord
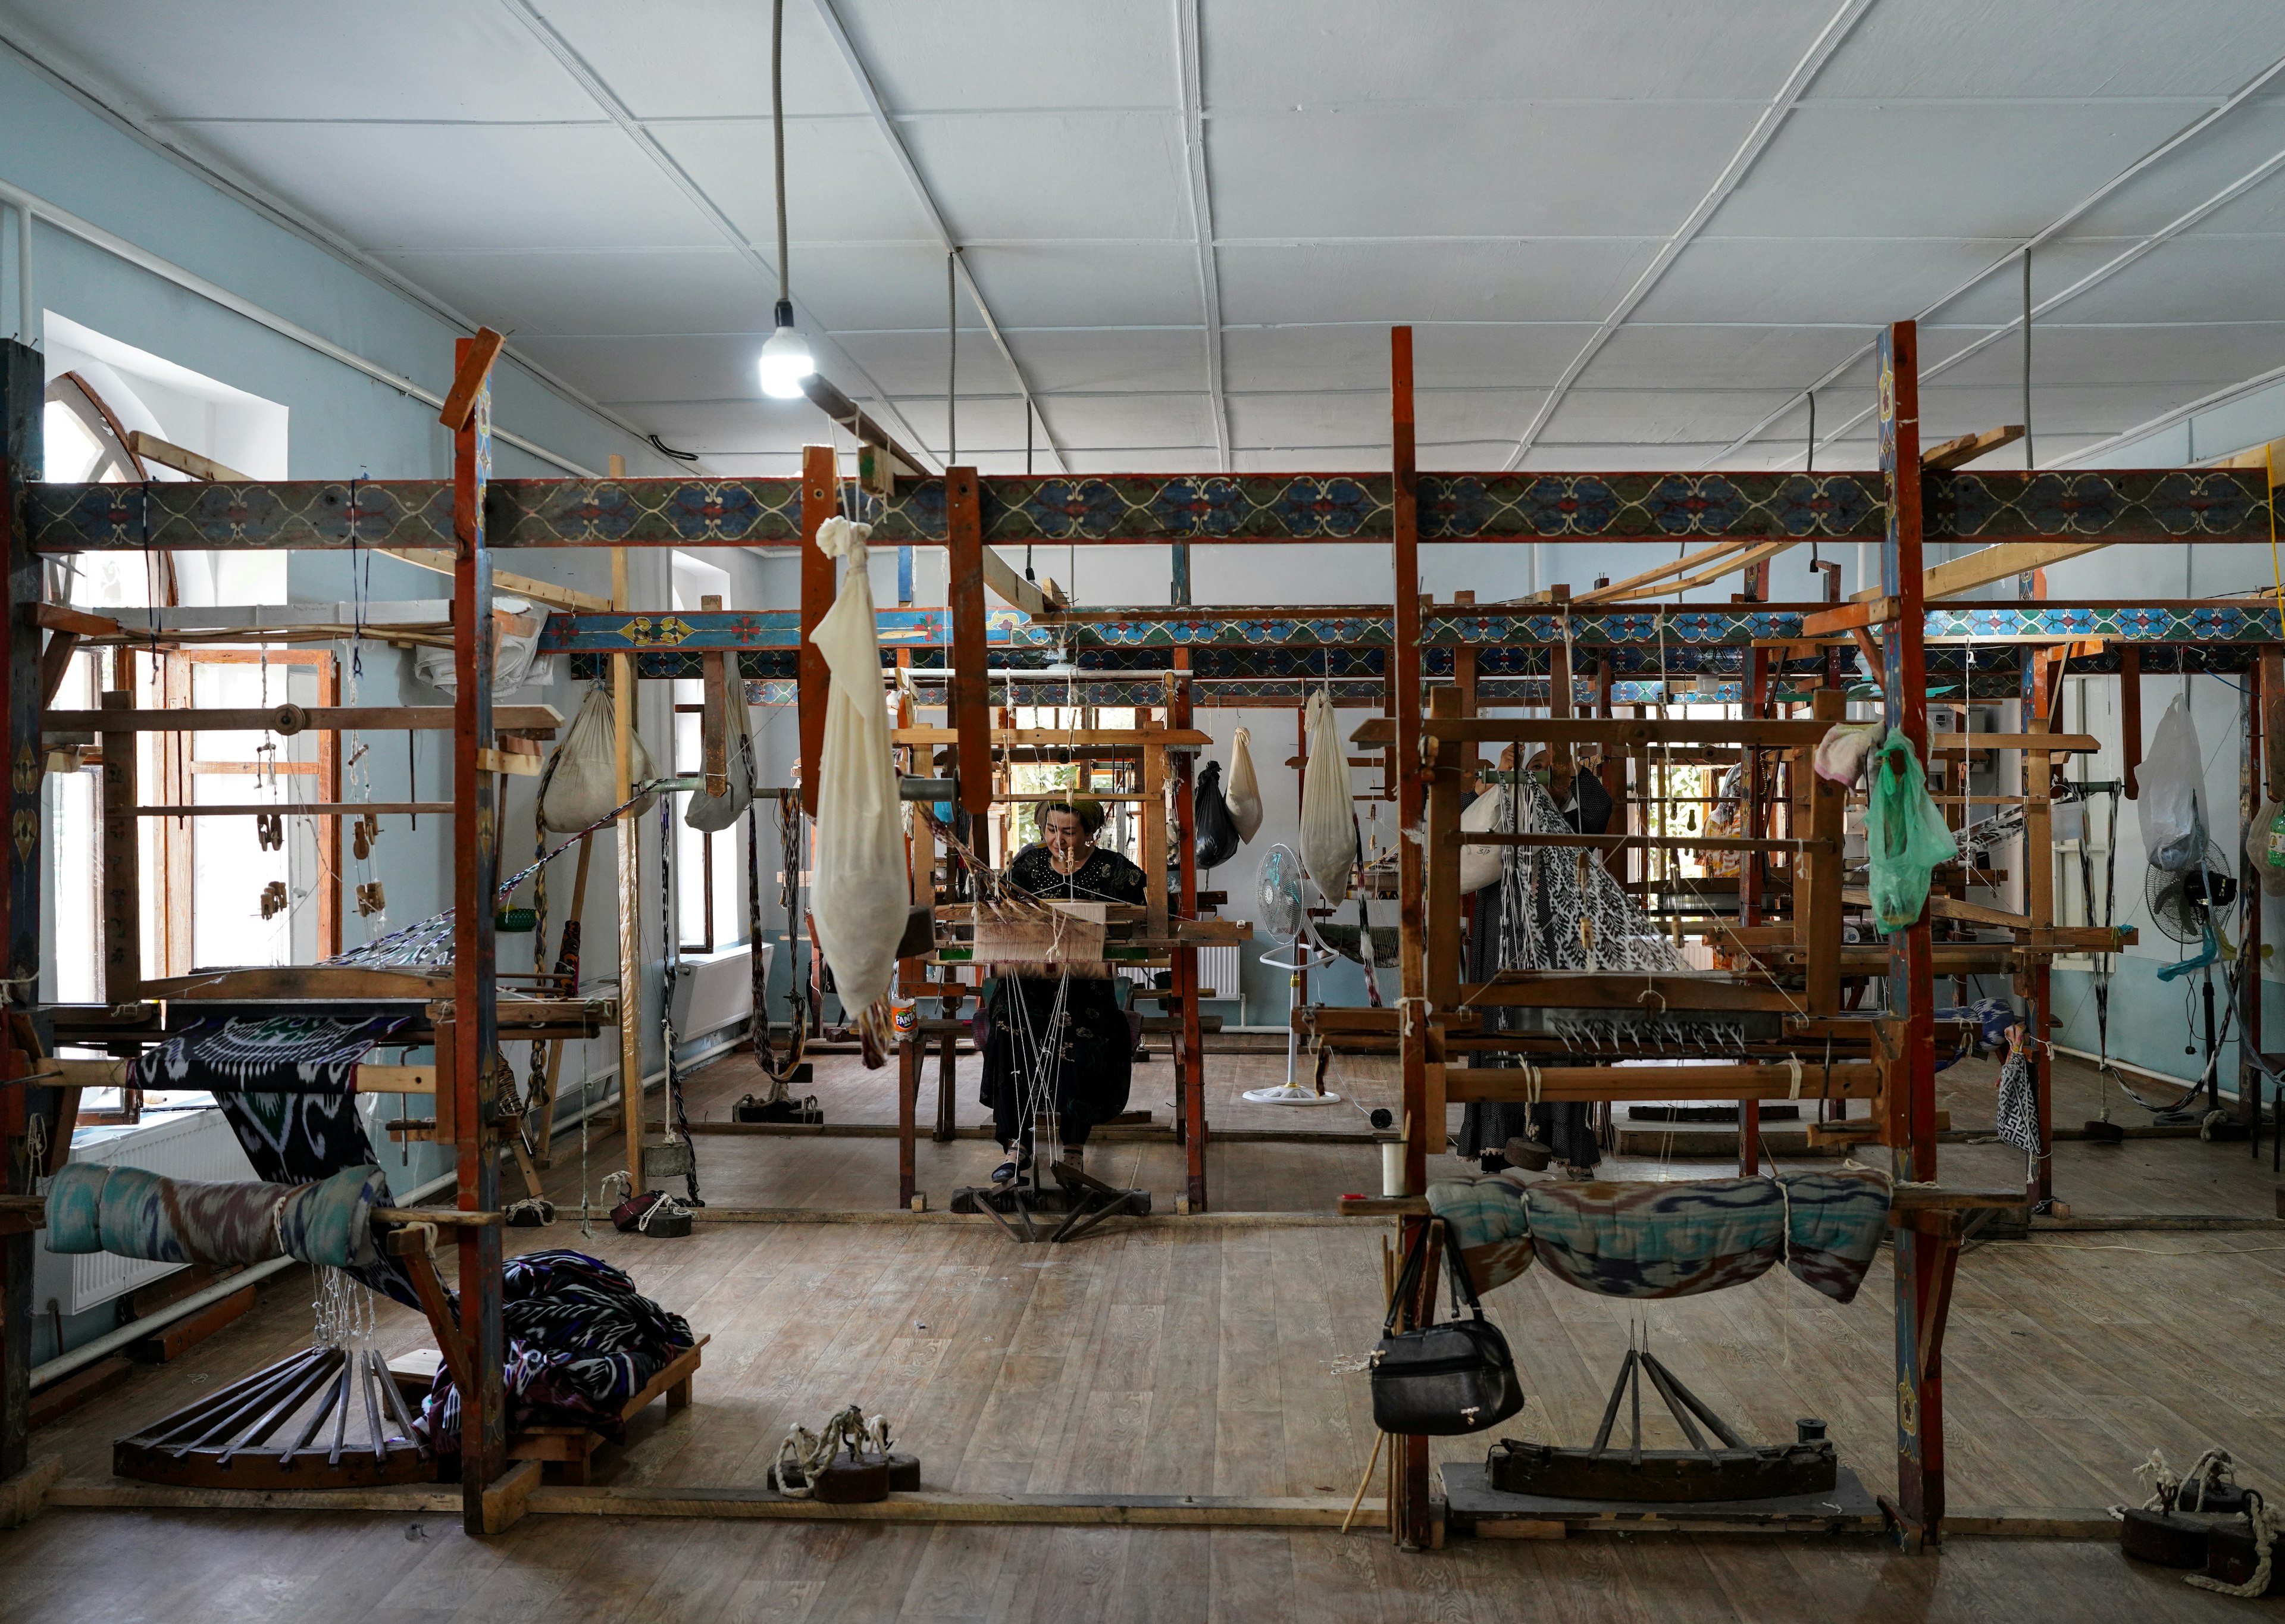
x: 777, y: 132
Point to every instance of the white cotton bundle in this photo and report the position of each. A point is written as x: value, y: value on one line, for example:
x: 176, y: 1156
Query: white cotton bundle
x: 1244, y: 795
x: 861, y: 893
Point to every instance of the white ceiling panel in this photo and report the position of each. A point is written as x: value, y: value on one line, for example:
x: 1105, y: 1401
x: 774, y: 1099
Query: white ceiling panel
x: 2191, y: 279
x: 1263, y: 422
x: 2236, y: 147
x: 1108, y: 361
x: 1823, y: 281
x: 1345, y: 52
x: 1088, y: 284
x: 491, y: 186
x: 842, y: 182
x: 1139, y: 422
x: 1602, y: 170
x: 1380, y: 283
x: 322, y: 60
x: 993, y: 54
x: 1498, y: 172
x: 1662, y: 416
x: 703, y: 59
x: 1460, y: 356
x: 631, y: 371
x: 1717, y: 356
x: 1908, y: 169
x: 916, y: 363
x: 2197, y: 358
x: 2037, y: 50
x: 1049, y: 175
x: 606, y: 292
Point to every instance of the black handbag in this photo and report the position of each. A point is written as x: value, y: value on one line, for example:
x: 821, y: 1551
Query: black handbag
x: 1444, y: 1379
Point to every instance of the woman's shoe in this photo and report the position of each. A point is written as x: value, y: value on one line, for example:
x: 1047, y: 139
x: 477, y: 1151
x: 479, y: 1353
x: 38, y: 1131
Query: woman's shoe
x: 1019, y: 1163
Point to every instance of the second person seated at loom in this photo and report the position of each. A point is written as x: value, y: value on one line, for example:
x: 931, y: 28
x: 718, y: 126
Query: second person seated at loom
x: 1059, y: 1045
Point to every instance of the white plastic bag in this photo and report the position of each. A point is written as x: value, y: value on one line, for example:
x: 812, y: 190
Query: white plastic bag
x: 2265, y: 847
x: 1329, y: 840
x: 712, y: 813
x: 516, y: 627
x: 580, y: 783
x: 1243, y: 796
x: 862, y: 892
x: 2174, y: 826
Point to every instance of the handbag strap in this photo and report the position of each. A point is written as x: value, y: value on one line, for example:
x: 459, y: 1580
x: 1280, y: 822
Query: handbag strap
x: 1416, y: 1262
x: 1408, y: 1277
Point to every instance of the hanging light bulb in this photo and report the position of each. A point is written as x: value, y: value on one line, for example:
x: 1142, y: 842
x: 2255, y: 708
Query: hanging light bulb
x: 785, y: 360
x: 785, y: 357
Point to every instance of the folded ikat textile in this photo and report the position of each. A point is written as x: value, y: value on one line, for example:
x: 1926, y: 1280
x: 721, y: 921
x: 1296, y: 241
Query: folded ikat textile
x: 1669, y: 1239
x: 278, y: 1055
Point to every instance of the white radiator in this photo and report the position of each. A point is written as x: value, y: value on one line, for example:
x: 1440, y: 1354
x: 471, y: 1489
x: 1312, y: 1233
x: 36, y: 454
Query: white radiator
x: 195, y: 1145
x: 715, y: 990
x: 1217, y: 973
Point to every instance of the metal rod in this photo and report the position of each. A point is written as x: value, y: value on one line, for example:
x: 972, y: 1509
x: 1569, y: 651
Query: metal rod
x: 1675, y: 1408
x: 1611, y: 1409
x: 951, y: 356
x: 1704, y: 1411
x: 2027, y: 356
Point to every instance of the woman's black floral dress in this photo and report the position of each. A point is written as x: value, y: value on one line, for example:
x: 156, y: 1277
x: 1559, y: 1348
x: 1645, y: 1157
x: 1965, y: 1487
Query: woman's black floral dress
x: 1089, y: 1054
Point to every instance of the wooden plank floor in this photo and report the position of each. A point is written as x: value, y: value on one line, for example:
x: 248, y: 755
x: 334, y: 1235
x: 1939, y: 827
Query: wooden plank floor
x: 1219, y: 1359
x: 95, y: 1568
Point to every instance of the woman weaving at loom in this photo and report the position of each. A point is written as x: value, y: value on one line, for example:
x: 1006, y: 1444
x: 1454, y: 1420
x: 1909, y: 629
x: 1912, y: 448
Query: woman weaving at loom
x: 1059, y: 1044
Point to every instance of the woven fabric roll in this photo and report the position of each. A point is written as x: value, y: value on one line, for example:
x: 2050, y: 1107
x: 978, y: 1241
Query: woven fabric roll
x: 1657, y: 1240
x: 1486, y: 1222
x: 1835, y: 1223
x: 129, y: 1213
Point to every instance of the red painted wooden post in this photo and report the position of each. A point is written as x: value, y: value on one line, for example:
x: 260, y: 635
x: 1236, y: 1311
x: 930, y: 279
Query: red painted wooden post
x: 483, y: 1413
x: 1924, y: 1258
x: 819, y: 501
x: 971, y: 685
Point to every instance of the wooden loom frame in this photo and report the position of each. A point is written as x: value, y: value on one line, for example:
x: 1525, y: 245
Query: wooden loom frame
x: 479, y: 513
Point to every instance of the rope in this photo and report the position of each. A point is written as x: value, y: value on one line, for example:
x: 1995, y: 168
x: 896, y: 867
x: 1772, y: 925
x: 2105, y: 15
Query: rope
x: 1793, y: 1068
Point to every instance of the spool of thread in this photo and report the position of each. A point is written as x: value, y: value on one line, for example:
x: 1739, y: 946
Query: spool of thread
x: 1392, y: 1167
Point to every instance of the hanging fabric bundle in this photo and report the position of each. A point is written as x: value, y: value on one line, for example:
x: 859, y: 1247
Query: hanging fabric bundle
x: 1243, y: 796
x: 2017, y: 1108
x: 1214, y: 833
x: 1905, y: 835
x: 712, y: 813
x: 1328, y: 838
x: 862, y: 892
x: 580, y: 783
x: 2174, y: 822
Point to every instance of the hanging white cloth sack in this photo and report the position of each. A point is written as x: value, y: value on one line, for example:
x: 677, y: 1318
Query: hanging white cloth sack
x: 516, y: 660
x: 580, y: 783
x: 1329, y: 839
x: 712, y: 813
x: 862, y: 892
x: 1243, y: 795
x: 1481, y: 866
x: 2174, y: 827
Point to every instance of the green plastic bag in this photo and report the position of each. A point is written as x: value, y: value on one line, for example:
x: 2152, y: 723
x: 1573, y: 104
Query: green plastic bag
x: 1905, y: 836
